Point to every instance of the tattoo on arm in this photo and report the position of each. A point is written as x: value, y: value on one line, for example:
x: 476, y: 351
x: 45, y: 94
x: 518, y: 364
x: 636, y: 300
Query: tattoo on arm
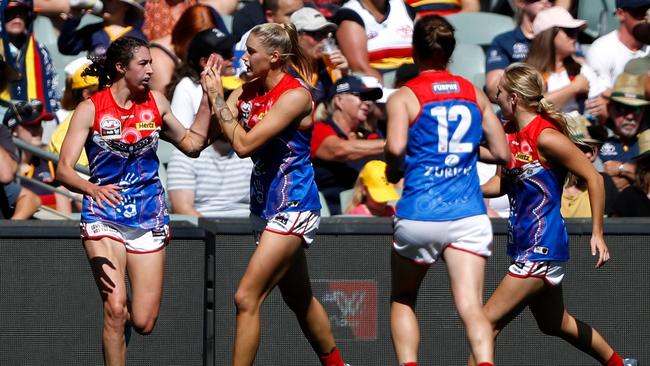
x: 223, y: 112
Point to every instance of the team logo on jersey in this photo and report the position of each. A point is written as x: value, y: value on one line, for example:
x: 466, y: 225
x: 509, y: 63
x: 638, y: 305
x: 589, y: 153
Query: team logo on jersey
x: 145, y: 125
x: 446, y: 88
x: 608, y: 149
x: 523, y: 157
x: 452, y: 160
x: 110, y: 128
x: 245, y: 112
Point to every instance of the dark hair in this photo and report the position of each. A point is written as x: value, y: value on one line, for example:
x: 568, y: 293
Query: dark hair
x: 433, y: 40
x: 642, y: 174
x: 120, y: 51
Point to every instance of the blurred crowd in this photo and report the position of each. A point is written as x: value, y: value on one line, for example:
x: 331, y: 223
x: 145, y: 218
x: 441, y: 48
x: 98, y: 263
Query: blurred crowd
x: 360, y: 52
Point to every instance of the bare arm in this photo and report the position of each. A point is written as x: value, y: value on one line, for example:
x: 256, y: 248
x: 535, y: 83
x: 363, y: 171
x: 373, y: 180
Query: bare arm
x: 558, y: 149
x: 397, y: 132
x: 8, y: 167
x: 182, y: 201
x: 497, y: 145
x: 75, y: 138
x: 190, y: 141
x: 26, y: 204
x: 351, y: 37
x: 334, y: 148
x: 470, y: 5
x: 560, y: 97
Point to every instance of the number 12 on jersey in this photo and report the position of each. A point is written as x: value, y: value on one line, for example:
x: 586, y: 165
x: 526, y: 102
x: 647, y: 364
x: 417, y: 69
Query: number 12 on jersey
x: 458, y: 115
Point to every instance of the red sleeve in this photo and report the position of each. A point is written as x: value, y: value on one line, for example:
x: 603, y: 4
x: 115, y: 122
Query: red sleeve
x: 321, y: 131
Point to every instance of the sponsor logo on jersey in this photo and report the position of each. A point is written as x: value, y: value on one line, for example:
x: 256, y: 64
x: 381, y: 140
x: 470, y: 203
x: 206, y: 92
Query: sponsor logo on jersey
x: 452, y: 160
x: 446, y: 88
x: 145, y: 125
x: 523, y: 157
x: 540, y: 250
x: 608, y: 149
x: 110, y: 128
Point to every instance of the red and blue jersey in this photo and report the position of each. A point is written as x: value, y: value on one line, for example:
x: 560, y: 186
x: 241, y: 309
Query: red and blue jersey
x: 283, y: 177
x: 121, y: 150
x: 440, y: 178
x: 536, y: 230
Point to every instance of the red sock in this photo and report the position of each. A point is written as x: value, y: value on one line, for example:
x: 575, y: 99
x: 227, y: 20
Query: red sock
x: 485, y: 364
x: 409, y: 364
x: 333, y: 358
x: 615, y: 360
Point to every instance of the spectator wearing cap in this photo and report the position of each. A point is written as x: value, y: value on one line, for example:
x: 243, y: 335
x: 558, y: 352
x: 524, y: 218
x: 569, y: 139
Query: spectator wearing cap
x: 78, y: 88
x: 627, y: 105
x: 372, y: 192
x: 609, y: 54
x: 170, y: 52
x: 217, y: 183
x: 511, y: 46
x: 185, y: 90
x: 568, y: 79
x: 575, y: 197
x: 443, y: 7
x: 337, y: 151
x: 29, y: 58
x: 313, y: 31
x: 120, y: 18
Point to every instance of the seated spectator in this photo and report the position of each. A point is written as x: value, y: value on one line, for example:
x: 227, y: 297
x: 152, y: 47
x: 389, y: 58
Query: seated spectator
x: 511, y: 46
x: 185, y: 90
x: 338, y: 152
x: 120, y: 18
x: 609, y: 53
x: 216, y: 184
x: 634, y: 201
x: 77, y: 89
x: 443, y: 7
x: 568, y: 78
x: 170, y: 52
x: 313, y: 31
x: 29, y: 58
x: 378, y: 43
x: 575, y: 197
x: 626, y: 108
x: 372, y: 192
x: 16, y: 202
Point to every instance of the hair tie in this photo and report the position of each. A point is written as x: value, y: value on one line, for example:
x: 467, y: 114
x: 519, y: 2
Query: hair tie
x: 538, y: 98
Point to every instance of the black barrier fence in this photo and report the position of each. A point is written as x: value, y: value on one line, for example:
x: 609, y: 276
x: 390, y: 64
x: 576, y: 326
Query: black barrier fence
x: 350, y: 270
x: 50, y: 309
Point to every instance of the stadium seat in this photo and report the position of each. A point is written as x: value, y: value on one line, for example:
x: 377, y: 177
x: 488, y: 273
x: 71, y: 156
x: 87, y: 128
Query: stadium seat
x: 599, y: 15
x: 324, y: 210
x: 345, y: 198
x: 480, y: 27
x: 468, y: 61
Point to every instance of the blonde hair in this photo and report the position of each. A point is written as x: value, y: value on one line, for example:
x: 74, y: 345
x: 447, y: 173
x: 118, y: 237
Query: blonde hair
x: 357, y: 195
x: 284, y: 39
x: 525, y: 81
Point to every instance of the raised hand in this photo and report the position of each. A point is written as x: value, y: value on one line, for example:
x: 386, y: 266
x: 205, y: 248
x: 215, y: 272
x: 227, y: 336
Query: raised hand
x: 211, y: 77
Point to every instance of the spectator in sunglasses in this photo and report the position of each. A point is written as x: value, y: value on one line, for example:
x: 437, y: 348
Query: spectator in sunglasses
x: 627, y: 104
x: 567, y: 78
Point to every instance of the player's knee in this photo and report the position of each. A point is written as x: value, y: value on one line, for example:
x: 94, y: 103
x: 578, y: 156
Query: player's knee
x: 144, y: 326
x: 116, y: 313
x: 245, y: 301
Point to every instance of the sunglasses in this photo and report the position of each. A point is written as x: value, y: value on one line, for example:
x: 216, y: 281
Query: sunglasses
x: 625, y: 109
x: 571, y: 32
x: 317, y: 35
